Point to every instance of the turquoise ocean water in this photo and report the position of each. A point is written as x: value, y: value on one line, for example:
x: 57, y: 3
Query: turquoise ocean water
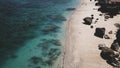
x: 31, y: 31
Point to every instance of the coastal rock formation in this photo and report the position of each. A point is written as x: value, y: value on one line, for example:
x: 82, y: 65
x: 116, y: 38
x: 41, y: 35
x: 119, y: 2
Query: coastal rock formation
x: 87, y: 20
x: 79, y: 35
x: 99, y: 32
x: 107, y: 6
x: 118, y: 36
x: 115, y: 46
x: 109, y: 55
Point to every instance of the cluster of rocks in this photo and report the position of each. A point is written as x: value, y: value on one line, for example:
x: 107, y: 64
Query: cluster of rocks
x: 47, y: 59
x: 112, y: 54
x: 100, y: 32
x: 89, y: 20
x: 35, y: 60
x: 109, y: 7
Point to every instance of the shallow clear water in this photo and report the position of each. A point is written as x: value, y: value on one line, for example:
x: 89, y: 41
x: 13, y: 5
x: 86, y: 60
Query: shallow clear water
x: 31, y: 31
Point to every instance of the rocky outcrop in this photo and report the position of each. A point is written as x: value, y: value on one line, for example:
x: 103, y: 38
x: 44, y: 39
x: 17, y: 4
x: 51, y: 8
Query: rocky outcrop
x: 87, y: 20
x: 99, y: 32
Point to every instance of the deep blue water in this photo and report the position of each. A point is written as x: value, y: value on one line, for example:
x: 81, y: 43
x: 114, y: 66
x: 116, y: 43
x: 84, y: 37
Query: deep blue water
x: 31, y: 31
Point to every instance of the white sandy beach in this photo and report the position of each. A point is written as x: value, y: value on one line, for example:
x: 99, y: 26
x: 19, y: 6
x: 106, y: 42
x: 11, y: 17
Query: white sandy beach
x: 81, y: 46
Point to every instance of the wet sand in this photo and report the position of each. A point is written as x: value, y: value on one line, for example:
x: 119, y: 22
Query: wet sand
x: 81, y: 46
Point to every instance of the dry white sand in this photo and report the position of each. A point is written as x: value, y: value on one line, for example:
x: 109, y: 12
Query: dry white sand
x: 81, y: 46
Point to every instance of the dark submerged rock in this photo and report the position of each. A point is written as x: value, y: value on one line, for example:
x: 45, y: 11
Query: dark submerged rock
x: 35, y: 59
x: 70, y: 9
x: 49, y: 28
x: 48, y: 52
x: 14, y: 56
x: 38, y: 67
x: 49, y: 62
x: 99, y: 32
x: 87, y: 20
x: 57, y: 18
x: 46, y: 43
x: 51, y: 56
x: 56, y: 42
x: 54, y: 53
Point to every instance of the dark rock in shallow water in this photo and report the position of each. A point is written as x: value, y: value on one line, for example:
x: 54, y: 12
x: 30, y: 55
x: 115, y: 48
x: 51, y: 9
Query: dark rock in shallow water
x: 70, y: 9
x: 35, y: 59
x: 51, y: 53
x: 57, y: 18
x: 99, y: 32
x: 55, y: 42
x: 49, y: 62
x: 45, y: 43
x: 14, y: 56
x: 38, y: 67
x: 87, y: 20
x: 50, y: 28
x: 47, y: 51
x: 54, y: 53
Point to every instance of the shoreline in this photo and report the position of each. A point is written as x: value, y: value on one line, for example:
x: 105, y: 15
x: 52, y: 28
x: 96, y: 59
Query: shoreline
x: 67, y: 25
x: 75, y: 55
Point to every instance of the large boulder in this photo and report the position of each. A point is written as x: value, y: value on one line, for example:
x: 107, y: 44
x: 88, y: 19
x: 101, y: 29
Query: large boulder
x: 115, y: 46
x: 87, y: 20
x: 99, y: 32
x: 118, y: 36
